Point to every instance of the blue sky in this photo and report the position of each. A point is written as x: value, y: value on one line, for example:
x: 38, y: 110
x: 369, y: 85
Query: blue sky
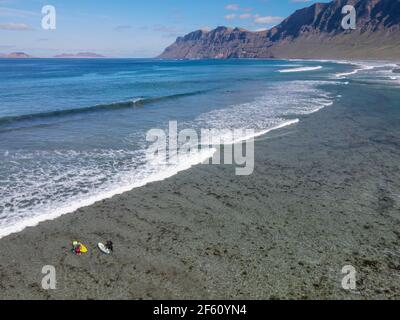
x: 128, y: 28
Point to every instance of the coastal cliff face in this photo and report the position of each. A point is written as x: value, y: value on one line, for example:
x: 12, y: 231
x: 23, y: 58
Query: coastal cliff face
x: 312, y: 32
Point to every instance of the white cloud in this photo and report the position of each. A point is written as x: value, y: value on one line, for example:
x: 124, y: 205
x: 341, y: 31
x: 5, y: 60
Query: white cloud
x: 245, y: 16
x: 267, y: 19
x: 230, y: 16
x: 236, y: 7
x: 232, y: 7
x: 257, y: 18
x: 14, y: 26
x: 9, y: 12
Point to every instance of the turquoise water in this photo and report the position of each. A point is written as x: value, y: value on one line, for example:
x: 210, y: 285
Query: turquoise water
x: 74, y: 131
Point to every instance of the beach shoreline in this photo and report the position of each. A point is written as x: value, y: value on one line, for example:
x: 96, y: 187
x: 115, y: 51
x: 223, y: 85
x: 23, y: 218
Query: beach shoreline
x: 324, y: 194
x: 92, y: 199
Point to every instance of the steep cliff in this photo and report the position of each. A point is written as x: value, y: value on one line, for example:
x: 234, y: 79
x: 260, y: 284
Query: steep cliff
x: 312, y: 32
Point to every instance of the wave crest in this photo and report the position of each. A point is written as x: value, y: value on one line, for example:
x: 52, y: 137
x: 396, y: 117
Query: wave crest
x: 301, y: 69
x: 138, y: 102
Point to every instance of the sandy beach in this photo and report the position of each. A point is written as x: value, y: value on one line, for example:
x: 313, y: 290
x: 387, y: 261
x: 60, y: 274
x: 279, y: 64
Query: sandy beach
x: 325, y: 193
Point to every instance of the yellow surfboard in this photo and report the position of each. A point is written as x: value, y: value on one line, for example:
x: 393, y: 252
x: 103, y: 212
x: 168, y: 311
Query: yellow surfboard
x: 84, y: 249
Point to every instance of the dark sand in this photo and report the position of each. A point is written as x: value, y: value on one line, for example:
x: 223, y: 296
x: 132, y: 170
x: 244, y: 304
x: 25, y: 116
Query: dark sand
x: 325, y: 193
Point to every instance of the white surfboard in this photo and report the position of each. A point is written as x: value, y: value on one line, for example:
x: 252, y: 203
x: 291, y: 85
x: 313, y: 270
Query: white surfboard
x: 103, y: 248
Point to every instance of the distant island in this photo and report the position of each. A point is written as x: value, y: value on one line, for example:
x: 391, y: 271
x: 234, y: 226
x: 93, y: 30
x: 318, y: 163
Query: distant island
x: 15, y: 55
x: 23, y: 55
x: 79, y: 55
x: 314, y: 32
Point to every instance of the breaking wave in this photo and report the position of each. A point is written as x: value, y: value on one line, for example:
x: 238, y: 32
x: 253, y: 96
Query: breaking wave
x: 301, y: 69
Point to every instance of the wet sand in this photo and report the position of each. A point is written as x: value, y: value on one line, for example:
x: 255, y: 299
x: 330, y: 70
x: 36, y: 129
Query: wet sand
x: 325, y: 193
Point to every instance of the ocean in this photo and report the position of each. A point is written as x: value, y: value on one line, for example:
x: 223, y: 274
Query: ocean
x: 73, y: 131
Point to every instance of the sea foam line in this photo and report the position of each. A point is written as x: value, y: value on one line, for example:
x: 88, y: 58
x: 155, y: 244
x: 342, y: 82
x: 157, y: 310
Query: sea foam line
x: 166, y: 173
x: 355, y: 71
x: 302, y: 69
x: 263, y: 132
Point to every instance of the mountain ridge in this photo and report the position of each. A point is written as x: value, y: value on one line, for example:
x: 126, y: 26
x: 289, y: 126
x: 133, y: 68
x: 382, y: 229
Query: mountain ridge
x: 79, y: 55
x: 311, y: 32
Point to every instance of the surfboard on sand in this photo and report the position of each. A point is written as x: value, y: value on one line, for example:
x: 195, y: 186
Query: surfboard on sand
x: 103, y: 248
x: 83, y: 248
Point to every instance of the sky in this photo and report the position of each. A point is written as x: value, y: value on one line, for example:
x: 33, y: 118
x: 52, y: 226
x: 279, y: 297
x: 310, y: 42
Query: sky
x: 128, y: 28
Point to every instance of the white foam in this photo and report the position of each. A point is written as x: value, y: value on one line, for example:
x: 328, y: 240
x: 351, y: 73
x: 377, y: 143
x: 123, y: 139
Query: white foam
x: 288, y: 65
x: 81, y: 178
x: 163, y: 173
x: 186, y: 161
x: 289, y: 98
x: 261, y: 133
x: 136, y: 100
x: 301, y: 69
x: 380, y: 72
x: 360, y: 67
